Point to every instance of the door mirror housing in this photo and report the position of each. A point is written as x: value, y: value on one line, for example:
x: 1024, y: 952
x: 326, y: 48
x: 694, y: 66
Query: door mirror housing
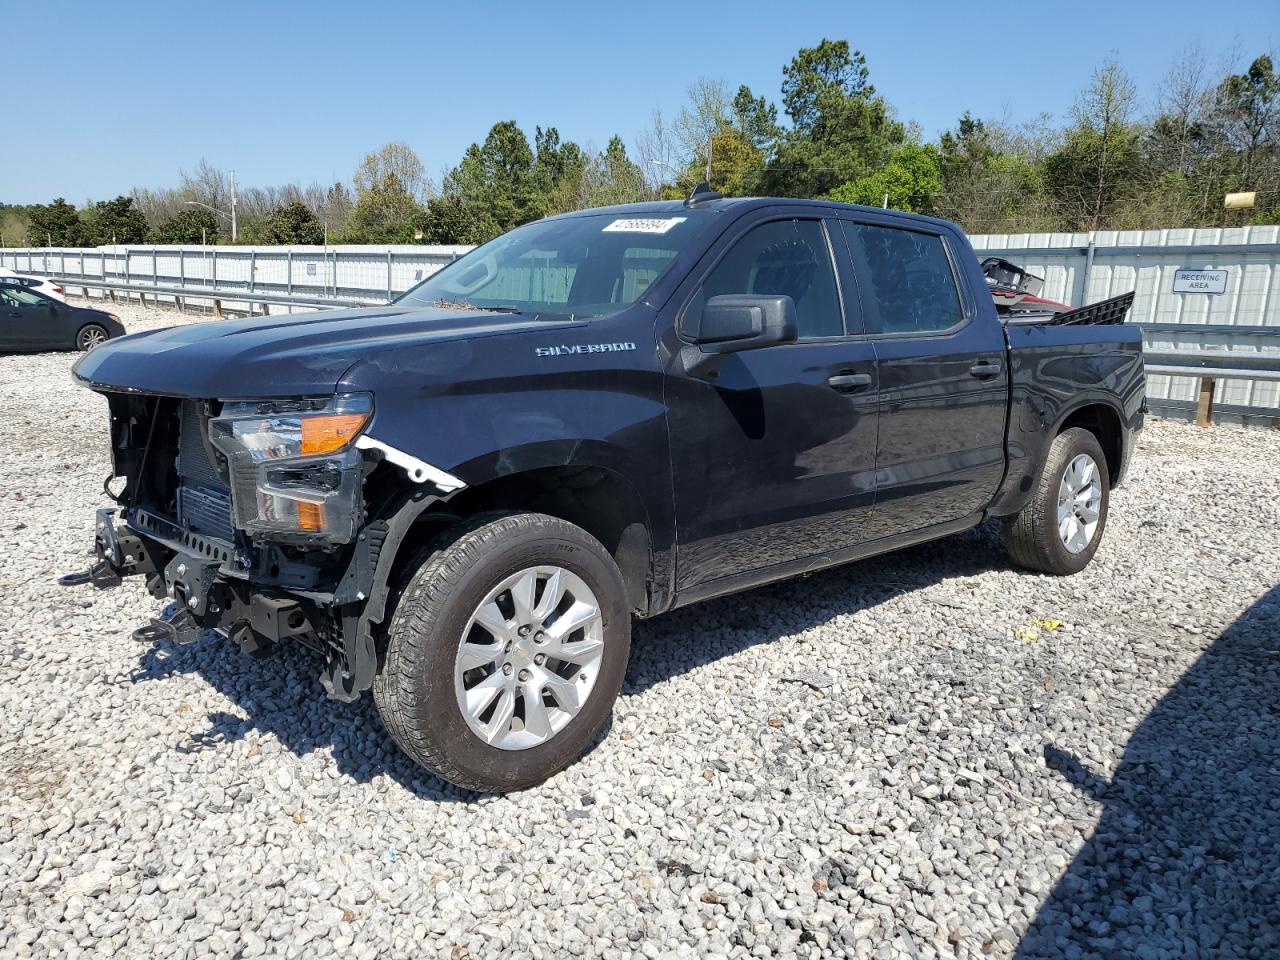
x: 734, y: 322
x: 744, y: 321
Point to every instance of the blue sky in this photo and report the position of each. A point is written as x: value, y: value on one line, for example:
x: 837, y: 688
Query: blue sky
x: 124, y: 94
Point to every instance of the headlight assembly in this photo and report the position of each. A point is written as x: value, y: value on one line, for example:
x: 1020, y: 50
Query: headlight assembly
x: 295, y: 475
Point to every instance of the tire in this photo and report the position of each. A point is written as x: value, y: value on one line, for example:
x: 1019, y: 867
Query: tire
x: 1033, y: 537
x: 91, y: 335
x: 422, y: 684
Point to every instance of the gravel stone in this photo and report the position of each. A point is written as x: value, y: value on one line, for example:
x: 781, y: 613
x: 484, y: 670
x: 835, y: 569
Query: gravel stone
x: 900, y: 758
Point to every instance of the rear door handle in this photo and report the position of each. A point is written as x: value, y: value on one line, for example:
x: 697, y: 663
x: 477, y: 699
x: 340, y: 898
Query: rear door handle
x: 845, y: 382
x: 985, y: 369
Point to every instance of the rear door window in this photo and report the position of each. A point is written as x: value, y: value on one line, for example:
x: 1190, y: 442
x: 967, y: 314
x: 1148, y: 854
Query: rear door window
x: 912, y: 286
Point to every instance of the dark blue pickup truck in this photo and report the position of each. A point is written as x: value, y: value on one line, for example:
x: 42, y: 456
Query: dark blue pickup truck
x: 461, y: 499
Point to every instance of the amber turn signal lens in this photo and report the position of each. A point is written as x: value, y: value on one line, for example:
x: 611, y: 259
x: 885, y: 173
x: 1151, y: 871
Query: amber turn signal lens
x: 310, y: 516
x: 326, y: 434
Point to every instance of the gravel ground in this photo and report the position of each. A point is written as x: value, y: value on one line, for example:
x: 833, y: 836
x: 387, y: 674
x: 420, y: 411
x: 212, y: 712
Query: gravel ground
x: 908, y: 757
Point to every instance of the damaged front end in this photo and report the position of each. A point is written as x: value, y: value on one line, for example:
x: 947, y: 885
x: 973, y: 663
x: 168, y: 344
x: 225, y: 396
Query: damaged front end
x: 262, y: 520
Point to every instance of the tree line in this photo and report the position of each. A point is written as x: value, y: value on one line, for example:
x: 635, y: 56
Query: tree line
x: 1117, y: 162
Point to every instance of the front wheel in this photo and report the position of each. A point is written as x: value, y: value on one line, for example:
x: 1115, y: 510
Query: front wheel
x: 505, y: 651
x: 91, y: 335
x: 1059, y: 529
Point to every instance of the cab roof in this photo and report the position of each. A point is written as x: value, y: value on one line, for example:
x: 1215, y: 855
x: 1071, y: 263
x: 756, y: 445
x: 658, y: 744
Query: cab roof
x: 740, y: 205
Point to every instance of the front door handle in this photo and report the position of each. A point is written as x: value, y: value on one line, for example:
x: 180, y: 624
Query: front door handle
x: 985, y: 369
x: 849, y: 381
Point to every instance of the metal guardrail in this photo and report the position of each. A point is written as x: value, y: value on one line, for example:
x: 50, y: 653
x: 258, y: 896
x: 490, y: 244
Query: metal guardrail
x: 227, y: 293
x: 1184, y: 363
x: 1212, y: 363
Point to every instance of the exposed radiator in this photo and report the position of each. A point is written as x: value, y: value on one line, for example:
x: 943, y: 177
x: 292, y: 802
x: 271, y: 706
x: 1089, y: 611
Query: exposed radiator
x: 204, y: 502
x: 193, y: 458
x: 206, y: 511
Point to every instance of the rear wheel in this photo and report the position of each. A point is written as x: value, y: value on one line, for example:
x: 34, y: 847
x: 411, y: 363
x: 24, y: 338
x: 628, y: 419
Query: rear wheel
x: 1059, y: 529
x: 91, y: 335
x: 505, y: 651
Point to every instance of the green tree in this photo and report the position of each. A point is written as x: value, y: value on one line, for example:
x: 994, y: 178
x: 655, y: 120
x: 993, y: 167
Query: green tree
x: 398, y: 159
x: 736, y: 167
x: 910, y: 180
x: 990, y: 182
x: 293, y: 223
x: 113, y: 221
x: 1099, y: 165
x: 612, y: 177
x: 335, y: 208
x: 557, y: 172
x: 188, y: 226
x: 819, y: 81
x: 14, y: 219
x: 384, y: 213
x: 756, y: 119
x: 497, y: 185
x: 842, y: 130
x: 1246, y: 117
x: 57, y: 224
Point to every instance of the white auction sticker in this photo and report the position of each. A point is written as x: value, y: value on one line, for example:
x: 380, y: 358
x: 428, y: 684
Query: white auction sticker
x: 661, y: 225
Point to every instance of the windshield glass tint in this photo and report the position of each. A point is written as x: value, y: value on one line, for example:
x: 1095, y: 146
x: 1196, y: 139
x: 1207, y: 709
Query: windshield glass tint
x: 582, y: 266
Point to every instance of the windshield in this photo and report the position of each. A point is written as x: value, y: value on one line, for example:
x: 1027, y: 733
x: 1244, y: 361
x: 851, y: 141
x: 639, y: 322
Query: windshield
x: 590, y: 266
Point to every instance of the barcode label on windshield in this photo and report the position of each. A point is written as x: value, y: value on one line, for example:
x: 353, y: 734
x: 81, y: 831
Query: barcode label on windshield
x: 643, y: 226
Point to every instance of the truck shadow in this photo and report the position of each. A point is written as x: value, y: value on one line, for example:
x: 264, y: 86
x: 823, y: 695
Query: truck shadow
x: 1185, y: 860
x: 693, y: 636
x: 280, y: 696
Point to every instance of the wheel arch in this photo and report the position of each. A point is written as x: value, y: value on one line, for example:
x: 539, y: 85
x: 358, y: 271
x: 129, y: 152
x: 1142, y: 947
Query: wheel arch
x: 597, y: 498
x: 1098, y: 412
x: 1104, y: 421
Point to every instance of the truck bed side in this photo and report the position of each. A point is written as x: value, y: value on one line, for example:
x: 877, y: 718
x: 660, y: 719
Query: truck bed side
x: 1086, y: 373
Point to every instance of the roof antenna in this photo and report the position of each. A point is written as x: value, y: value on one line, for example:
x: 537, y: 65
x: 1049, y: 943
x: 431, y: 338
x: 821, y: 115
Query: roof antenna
x: 702, y: 193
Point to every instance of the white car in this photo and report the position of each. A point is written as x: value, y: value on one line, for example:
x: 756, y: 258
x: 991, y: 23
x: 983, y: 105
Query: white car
x: 38, y: 284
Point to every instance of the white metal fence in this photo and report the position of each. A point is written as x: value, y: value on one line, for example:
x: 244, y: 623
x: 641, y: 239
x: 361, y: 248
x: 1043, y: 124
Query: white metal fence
x: 1078, y: 269
x: 1083, y: 268
x: 357, y: 274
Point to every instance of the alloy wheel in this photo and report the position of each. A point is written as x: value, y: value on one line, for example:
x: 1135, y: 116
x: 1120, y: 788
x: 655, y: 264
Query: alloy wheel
x: 1079, y: 503
x: 529, y: 657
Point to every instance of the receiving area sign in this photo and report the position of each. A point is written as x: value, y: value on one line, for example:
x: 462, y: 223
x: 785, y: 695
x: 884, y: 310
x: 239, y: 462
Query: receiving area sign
x: 1200, y: 281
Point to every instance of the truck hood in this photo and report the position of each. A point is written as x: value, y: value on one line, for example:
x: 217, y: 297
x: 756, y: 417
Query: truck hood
x: 301, y: 354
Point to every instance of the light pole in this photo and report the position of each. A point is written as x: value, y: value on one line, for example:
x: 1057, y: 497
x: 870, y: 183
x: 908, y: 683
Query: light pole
x: 222, y: 213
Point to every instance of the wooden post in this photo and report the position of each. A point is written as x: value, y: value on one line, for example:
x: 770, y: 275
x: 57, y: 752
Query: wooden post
x: 1204, y: 407
x: 217, y: 309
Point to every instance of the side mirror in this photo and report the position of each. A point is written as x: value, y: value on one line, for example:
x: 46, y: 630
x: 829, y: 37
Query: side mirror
x: 733, y: 322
